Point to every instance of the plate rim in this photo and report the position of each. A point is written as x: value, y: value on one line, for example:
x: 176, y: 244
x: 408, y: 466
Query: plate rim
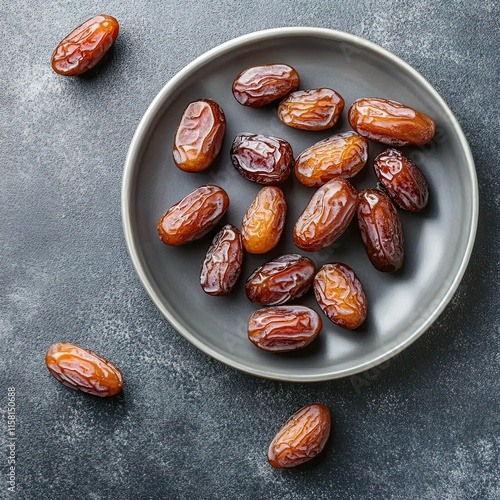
x: 152, y: 114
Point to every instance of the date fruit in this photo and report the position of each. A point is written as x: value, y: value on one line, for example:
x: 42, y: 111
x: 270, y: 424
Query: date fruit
x: 326, y: 216
x: 222, y: 266
x: 315, y: 109
x: 390, y: 122
x: 283, y: 328
x: 302, y: 437
x: 199, y: 135
x: 341, y: 155
x: 402, y: 180
x: 85, y: 46
x: 261, y: 85
x: 381, y: 230
x: 264, y: 220
x: 340, y: 295
x: 193, y: 216
x: 262, y: 158
x: 280, y: 280
x: 83, y: 370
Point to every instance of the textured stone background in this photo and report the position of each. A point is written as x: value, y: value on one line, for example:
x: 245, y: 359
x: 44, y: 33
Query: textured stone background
x: 425, y: 426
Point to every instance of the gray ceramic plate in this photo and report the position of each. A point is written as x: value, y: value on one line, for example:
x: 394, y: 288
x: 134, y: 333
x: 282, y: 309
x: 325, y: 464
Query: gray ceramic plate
x: 401, y: 305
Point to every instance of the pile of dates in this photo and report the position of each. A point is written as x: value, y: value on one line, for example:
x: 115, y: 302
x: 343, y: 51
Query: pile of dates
x: 325, y: 166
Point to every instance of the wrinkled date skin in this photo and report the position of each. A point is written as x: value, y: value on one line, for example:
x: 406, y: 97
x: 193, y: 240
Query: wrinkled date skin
x: 326, y: 216
x: 340, y: 295
x: 402, y: 180
x: 315, y: 109
x: 283, y: 328
x: 261, y: 158
x: 193, y: 216
x: 199, y: 135
x: 261, y: 85
x: 85, y: 46
x: 263, y: 223
x: 381, y: 230
x: 390, y: 122
x: 341, y: 155
x: 222, y: 266
x: 302, y: 437
x: 280, y: 280
x: 83, y: 370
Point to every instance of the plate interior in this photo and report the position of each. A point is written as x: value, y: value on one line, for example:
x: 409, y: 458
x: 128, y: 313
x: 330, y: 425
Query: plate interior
x: 401, y: 304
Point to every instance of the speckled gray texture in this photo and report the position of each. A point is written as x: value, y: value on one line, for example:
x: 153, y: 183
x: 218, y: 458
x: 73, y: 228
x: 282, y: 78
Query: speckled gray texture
x: 425, y: 425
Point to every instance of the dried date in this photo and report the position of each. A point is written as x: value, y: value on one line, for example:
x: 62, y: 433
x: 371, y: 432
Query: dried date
x: 315, y: 109
x: 283, y: 328
x: 390, y: 122
x: 302, y: 437
x: 340, y: 295
x: 381, y: 230
x: 264, y: 220
x: 261, y: 85
x: 326, y: 216
x: 193, y: 216
x: 83, y: 370
x: 341, y: 155
x: 85, y: 46
x: 262, y: 158
x: 222, y: 265
x: 402, y: 180
x: 280, y: 280
x: 199, y: 135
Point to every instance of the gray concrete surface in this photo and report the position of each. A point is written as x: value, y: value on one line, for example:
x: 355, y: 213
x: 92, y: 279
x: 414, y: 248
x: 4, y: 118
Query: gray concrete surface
x: 424, y: 426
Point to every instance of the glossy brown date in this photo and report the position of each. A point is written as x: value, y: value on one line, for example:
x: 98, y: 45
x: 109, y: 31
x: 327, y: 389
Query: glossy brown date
x: 390, y: 122
x: 262, y: 158
x: 402, y: 180
x: 302, y: 437
x: 283, y: 328
x: 222, y: 265
x: 340, y: 295
x: 315, y: 109
x: 199, y: 135
x: 264, y: 220
x: 261, y: 85
x: 381, y: 230
x: 85, y: 46
x: 193, y: 216
x: 83, y: 370
x: 280, y: 280
x: 326, y: 216
x: 341, y: 155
